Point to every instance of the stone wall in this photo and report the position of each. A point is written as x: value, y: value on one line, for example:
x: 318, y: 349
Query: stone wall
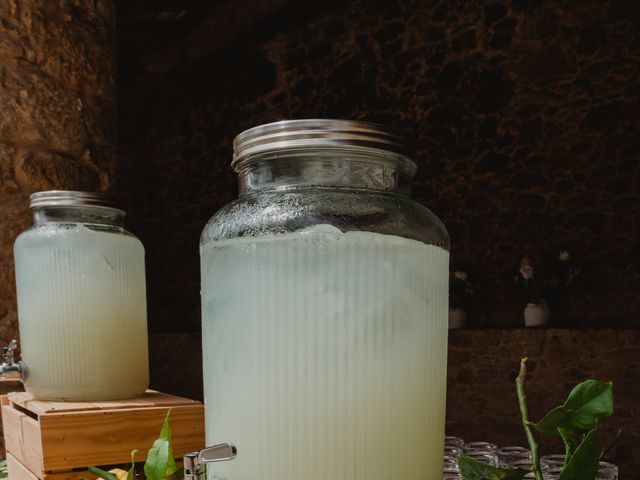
x: 524, y: 113
x: 57, y: 113
x: 525, y: 118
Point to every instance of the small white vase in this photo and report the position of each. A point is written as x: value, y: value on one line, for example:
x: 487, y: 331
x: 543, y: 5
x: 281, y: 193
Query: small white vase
x: 457, y: 318
x: 536, y: 315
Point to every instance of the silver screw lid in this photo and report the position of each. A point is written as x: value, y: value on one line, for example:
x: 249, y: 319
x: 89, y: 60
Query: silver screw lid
x: 317, y: 133
x: 71, y: 198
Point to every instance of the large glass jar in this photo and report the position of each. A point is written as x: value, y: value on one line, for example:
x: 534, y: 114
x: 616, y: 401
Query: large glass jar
x: 324, y: 310
x: 80, y: 283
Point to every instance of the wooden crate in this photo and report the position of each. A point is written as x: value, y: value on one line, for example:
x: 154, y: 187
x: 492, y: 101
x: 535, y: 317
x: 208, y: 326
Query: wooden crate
x: 58, y: 440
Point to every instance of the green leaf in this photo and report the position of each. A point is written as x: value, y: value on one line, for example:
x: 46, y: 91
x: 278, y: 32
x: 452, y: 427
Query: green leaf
x: 472, y: 469
x: 583, y: 465
x: 570, y: 440
x: 131, y: 474
x: 3, y: 469
x: 160, y: 463
x: 102, y: 473
x: 587, y: 403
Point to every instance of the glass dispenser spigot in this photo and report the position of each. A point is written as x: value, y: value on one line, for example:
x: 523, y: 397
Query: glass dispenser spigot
x: 194, y: 462
x: 9, y: 363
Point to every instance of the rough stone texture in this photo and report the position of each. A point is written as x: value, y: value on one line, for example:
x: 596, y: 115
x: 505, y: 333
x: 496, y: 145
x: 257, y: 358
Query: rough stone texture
x: 483, y: 364
x: 57, y: 115
x: 14, y: 218
x: 524, y: 114
x: 57, y: 70
x: 57, y: 127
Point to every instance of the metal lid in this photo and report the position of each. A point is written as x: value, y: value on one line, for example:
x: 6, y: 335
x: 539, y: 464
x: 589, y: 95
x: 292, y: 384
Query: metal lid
x: 70, y: 198
x: 316, y: 133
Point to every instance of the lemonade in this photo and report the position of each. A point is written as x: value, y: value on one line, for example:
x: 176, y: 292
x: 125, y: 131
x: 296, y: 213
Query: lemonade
x: 82, y: 313
x: 325, y: 355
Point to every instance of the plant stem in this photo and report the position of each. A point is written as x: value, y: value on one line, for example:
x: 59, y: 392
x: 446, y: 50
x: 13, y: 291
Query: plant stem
x: 606, y: 450
x: 524, y: 411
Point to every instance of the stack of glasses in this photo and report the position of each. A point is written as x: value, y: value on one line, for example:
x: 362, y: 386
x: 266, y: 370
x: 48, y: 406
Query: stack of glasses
x: 508, y: 457
x: 554, y: 463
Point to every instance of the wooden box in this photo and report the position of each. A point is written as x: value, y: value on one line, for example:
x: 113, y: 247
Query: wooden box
x: 58, y: 440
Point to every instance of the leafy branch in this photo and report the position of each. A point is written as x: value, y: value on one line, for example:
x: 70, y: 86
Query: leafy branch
x: 160, y: 464
x: 524, y: 412
x: 576, y: 422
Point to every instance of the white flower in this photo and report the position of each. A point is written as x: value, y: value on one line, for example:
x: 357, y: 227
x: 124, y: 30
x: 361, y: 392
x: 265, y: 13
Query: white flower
x: 526, y: 271
x: 460, y: 275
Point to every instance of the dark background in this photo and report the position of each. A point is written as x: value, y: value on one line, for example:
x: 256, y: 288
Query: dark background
x: 523, y: 114
x: 524, y: 118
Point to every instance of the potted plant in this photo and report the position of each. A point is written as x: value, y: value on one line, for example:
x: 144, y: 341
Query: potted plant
x: 461, y: 296
x: 541, y: 282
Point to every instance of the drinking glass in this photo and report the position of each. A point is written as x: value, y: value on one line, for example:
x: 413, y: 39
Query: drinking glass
x: 450, y: 463
x: 485, y: 456
x: 450, y: 451
x: 480, y: 446
x: 554, y: 460
x: 451, y: 475
x: 607, y: 471
x: 454, y: 441
x: 552, y: 473
x: 510, y: 454
x: 526, y: 464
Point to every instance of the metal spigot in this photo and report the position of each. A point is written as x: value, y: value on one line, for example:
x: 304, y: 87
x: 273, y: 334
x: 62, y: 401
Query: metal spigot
x: 194, y: 462
x: 9, y: 363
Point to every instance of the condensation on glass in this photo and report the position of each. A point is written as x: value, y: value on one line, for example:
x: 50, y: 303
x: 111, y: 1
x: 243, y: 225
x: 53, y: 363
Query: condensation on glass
x: 324, y: 309
x: 80, y: 282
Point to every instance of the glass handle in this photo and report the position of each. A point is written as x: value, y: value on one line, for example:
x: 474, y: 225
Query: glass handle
x: 218, y: 453
x: 194, y: 462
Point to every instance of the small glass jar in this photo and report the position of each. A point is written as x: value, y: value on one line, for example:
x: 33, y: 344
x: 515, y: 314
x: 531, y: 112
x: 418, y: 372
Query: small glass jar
x: 607, y: 471
x: 526, y: 464
x: 452, y: 451
x: 454, y: 441
x: 80, y: 284
x: 485, y: 456
x: 450, y: 462
x: 480, y: 446
x: 553, y: 460
x: 324, y: 309
x: 552, y: 473
x: 507, y: 455
x: 451, y: 474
